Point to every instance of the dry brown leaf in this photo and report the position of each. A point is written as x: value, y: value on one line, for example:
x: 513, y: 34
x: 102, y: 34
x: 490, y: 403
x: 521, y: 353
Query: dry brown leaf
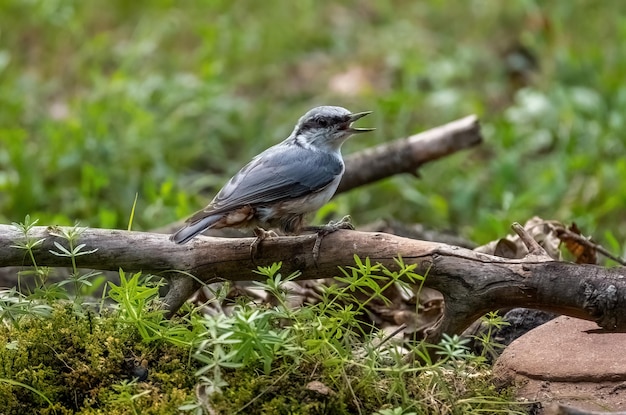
x: 319, y: 387
x: 584, y: 253
x: 542, y: 231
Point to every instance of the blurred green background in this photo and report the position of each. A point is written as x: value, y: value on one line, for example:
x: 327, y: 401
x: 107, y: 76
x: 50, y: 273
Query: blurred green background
x: 102, y: 100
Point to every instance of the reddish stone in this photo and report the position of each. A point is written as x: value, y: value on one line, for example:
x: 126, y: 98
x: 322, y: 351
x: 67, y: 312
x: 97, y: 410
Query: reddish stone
x: 568, y: 361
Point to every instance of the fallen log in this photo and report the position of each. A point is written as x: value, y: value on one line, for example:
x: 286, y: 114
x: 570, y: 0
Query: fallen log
x: 472, y: 283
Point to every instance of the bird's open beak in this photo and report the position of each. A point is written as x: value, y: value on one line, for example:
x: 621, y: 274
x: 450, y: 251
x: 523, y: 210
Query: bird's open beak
x: 358, y: 116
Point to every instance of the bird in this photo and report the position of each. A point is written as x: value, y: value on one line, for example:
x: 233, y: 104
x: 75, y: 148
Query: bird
x: 278, y: 187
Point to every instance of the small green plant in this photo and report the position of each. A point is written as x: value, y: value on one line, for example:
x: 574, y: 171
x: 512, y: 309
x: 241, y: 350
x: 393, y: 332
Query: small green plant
x: 137, y: 298
x: 453, y: 348
x: 74, y: 250
x: 126, y: 395
x: 28, y: 246
x: 490, y: 348
x: 83, y: 283
x: 15, y: 305
x: 329, y: 341
x: 249, y: 335
x: 274, y: 285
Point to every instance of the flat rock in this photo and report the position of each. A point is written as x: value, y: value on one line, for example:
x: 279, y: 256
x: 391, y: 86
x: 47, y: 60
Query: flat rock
x: 568, y: 361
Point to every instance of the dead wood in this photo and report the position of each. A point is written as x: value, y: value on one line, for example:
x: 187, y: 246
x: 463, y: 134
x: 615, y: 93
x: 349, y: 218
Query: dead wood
x: 406, y: 155
x: 472, y: 283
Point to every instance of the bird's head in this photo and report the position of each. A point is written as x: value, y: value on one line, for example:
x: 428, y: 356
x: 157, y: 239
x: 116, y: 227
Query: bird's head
x: 328, y: 127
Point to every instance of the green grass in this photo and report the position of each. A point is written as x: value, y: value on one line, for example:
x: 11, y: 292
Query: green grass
x: 103, y: 100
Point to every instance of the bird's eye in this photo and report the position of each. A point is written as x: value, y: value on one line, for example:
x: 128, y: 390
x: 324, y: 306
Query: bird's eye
x: 323, y: 122
x: 319, y: 122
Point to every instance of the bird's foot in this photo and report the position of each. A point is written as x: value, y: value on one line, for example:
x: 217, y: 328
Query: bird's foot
x: 322, y: 231
x: 261, y: 235
x: 343, y: 223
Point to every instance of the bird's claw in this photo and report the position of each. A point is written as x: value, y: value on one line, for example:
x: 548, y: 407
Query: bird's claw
x: 332, y: 226
x: 261, y: 235
x: 343, y: 223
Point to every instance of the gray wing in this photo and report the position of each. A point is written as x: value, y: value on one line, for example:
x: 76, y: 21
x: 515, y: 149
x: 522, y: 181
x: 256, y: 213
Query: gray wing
x: 279, y: 173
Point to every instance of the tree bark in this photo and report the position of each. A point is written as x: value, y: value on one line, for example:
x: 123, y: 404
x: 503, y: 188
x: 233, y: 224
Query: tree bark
x: 471, y: 283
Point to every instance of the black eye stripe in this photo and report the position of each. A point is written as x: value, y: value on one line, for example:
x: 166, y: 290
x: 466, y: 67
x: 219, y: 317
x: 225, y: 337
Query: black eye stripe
x: 323, y: 122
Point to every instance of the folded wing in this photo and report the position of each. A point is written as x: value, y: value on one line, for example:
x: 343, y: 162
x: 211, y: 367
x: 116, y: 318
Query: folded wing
x: 279, y: 173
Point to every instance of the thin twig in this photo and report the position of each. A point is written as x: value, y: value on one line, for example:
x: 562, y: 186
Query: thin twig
x: 533, y: 246
x: 391, y: 335
x: 589, y: 244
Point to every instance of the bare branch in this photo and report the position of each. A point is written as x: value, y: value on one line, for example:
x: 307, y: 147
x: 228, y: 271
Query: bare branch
x: 406, y: 155
x: 534, y: 249
x: 472, y: 283
x: 565, y: 233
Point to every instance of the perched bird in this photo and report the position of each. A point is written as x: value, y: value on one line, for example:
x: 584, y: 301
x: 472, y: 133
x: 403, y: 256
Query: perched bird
x: 285, y: 182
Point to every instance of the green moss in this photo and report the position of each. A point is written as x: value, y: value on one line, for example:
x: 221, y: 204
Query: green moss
x: 287, y: 391
x: 277, y: 394
x: 84, y: 364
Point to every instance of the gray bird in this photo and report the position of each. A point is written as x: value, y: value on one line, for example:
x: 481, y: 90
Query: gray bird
x: 285, y: 182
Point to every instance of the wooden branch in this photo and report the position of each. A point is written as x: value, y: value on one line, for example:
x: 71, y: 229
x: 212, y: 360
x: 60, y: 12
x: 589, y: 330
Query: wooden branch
x: 407, y: 154
x: 565, y: 234
x: 472, y: 283
x: 535, y: 250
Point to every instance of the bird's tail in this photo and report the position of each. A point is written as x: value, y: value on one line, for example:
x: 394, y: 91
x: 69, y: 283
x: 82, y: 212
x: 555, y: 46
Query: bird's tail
x: 194, y: 228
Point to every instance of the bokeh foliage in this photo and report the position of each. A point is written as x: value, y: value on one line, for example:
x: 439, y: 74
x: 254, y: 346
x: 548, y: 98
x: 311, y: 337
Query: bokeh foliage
x: 101, y: 100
